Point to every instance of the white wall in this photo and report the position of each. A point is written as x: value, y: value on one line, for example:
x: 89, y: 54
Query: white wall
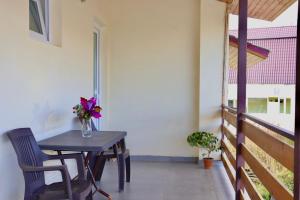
x: 40, y: 82
x: 270, y: 90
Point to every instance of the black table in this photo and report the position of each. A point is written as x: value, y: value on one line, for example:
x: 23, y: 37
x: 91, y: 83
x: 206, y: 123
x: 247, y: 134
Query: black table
x: 73, y: 141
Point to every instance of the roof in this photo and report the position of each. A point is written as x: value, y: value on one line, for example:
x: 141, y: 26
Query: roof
x: 280, y: 66
x: 269, y: 33
x: 261, y: 9
x: 255, y: 54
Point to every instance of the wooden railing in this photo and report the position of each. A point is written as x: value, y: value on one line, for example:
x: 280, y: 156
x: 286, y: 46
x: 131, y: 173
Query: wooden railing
x: 263, y: 135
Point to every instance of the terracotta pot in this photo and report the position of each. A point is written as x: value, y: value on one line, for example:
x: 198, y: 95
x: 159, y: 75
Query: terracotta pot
x: 208, y: 163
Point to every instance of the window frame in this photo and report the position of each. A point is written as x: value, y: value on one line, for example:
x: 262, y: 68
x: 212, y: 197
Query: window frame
x: 44, y: 23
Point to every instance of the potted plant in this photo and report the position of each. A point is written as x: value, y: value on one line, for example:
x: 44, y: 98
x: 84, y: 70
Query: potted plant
x: 208, y: 142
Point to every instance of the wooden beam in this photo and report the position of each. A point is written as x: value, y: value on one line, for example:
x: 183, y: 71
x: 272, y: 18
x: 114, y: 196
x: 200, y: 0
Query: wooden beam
x: 228, y: 170
x: 243, y: 196
x: 250, y: 187
x: 281, y: 131
x: 230, y: 136
x: 279, y: 150
x: 226, y: 1
x: 241, y: 92
x: 263, y: 9
x: 229, y: 155
x: 275, y: 187
x: 230, y: 118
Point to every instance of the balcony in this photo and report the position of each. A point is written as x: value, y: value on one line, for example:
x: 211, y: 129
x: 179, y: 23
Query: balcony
x: 159, y: 69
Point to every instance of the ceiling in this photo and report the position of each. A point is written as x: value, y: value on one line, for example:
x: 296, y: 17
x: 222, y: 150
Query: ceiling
x: 261, y: 9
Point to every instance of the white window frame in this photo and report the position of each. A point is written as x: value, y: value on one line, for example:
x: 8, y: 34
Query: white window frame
x: 44, y: 23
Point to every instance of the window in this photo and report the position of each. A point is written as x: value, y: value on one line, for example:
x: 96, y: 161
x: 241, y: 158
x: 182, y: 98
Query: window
x: 288, y: 106
x: 230, y: 103
x: 257, y: 105
x: 281, y: 105
x: 39, y: 19
x: 273, y: 99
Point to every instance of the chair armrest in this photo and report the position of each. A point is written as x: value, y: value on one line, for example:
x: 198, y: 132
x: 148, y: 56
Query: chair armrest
x: 61, y: 168
x: 79, y: 161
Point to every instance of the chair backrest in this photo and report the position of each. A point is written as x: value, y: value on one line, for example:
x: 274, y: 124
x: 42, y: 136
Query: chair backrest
x: 28, y: 154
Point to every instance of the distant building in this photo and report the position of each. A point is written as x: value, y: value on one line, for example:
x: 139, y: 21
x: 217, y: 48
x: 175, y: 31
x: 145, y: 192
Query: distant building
x: 271, y: 83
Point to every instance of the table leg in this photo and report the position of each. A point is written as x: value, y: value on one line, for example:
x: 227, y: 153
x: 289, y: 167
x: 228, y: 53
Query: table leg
x: 123, y: 145
x: 121, y: 167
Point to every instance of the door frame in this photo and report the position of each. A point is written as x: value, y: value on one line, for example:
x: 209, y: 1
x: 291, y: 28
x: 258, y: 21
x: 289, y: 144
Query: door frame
x: 97, y: 71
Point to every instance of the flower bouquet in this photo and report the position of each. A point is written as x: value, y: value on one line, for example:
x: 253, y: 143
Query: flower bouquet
x: 85, y: 111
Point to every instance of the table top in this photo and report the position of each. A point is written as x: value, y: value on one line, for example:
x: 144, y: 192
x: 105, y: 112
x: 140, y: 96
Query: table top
x: 73, y: 141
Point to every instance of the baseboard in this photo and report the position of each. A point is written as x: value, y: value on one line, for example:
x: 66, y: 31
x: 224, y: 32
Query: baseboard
x: 164, y: 158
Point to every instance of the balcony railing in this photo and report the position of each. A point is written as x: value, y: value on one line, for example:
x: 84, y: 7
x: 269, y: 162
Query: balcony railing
x: 264, y: 135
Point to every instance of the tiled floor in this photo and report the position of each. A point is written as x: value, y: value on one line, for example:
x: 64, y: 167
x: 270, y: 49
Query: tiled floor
x: 168, y: 181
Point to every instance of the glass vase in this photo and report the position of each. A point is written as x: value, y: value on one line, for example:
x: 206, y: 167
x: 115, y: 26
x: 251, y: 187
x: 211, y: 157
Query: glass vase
x: 86, y: 128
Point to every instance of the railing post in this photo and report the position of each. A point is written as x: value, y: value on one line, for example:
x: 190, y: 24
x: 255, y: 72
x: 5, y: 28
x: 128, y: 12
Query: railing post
x: 297, y: 117
x: 241, y: 91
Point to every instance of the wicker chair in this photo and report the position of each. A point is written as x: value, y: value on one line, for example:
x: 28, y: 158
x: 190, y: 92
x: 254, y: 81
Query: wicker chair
x: 31, y: 158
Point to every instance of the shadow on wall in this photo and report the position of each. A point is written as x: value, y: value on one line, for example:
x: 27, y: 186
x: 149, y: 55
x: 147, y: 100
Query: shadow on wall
x: 47, y: 118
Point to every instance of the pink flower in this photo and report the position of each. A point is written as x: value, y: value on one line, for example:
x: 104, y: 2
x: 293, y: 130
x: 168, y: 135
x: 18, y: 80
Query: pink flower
x: 88, y: 105
x: 87, y: 108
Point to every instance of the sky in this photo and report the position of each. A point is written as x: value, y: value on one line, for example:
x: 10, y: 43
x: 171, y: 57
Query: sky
x: 287, y: 18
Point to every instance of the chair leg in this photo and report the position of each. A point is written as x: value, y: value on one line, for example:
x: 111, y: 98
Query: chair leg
x: 128, y: 170
x: 100, y: 167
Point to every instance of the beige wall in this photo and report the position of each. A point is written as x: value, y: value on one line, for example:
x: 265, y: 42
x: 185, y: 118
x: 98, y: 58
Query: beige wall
x: 155, y: 69
x: 211, y: 64
x: 150, y: 73
x: 212, y: 23
x: 154, y: 66
x: 40, y: 82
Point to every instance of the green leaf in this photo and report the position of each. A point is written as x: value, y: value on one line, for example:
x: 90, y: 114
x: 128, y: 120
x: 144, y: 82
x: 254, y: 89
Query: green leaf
x: 205, y: 140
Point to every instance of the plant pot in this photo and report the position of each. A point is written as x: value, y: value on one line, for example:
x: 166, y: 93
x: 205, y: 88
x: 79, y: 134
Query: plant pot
x: 208, y: 163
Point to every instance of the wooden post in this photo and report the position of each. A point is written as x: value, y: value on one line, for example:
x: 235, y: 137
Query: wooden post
x: 297, y: 118
x: 241, y: 91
